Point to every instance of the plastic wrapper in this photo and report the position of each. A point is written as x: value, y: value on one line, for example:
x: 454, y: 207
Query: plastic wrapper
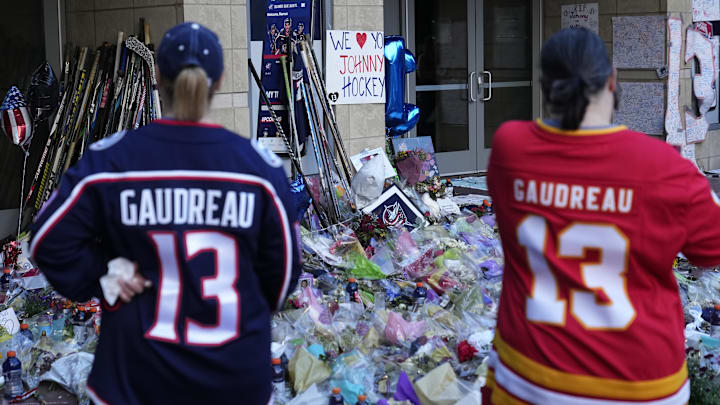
x: 306, y: 370
x: 368, y: 182
x: 405, y: 390
x: 440, y: 387
x: 705, y: 290
x: 383, y: 259
x: 354, y: 373
x: 364, y: 268
x: 71, y: 372
x: 311, y: 396
x: 399, y: 330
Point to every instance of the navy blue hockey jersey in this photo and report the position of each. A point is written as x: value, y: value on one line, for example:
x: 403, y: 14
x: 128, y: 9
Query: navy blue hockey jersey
x: 207, y: 216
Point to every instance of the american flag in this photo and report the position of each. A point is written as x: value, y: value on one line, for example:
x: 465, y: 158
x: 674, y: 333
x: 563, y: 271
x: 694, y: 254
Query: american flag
x: 16, y: 121
x: 13, y: 99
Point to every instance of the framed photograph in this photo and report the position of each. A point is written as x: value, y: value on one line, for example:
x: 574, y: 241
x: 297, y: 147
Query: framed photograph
x: 359, y: 160
x: 395, y: 209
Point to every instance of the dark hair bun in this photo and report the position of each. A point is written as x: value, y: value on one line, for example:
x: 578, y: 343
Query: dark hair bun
x: 575, y: 65
x: 564, y: 91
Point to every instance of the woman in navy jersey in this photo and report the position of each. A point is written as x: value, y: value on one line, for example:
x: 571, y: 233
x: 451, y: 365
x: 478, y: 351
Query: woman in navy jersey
x: 206, y: 217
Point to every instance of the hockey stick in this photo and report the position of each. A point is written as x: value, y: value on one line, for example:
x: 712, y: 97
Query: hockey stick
x: 138, y: 47
x: 41, y: 164
x: 313, y: 92
x: 314, y: 73
x: 276, y: 120
x: 291, y: 105
x: 326, y: 152
x: 322, y: 163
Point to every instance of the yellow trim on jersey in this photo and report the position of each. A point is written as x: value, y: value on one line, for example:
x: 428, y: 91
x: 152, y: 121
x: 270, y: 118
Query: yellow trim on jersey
x: 498, y: 395
x: 580, y: 132
x: 569, y: 383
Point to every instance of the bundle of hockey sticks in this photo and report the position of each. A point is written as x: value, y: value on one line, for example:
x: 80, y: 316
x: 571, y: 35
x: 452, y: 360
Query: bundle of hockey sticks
x: 105, y: 91
x: 335, y: 172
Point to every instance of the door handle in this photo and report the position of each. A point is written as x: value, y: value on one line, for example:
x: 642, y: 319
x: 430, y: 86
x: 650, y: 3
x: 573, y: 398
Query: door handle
x: 489, y: 97
x: 471, y: 84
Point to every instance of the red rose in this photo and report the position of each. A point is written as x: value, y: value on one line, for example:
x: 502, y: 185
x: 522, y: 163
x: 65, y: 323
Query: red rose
x: 465, y: 351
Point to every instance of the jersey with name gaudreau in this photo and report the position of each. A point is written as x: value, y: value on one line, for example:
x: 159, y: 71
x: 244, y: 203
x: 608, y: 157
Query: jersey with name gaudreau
x: 207, y: 216
x: 591, y: 224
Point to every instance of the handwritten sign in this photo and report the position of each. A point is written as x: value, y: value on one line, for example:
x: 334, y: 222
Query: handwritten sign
x: 355, y: 67
x: 9, y: 321
x: 580, y: 15
x: 706, y: 10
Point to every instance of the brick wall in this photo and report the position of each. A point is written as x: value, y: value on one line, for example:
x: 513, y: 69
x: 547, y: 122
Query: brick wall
x: 228, y: 18
x: 92, y: 22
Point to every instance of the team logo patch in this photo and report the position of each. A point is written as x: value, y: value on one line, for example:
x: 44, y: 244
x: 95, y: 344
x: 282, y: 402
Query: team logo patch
x: 108, y: 142
x: 394, y: 215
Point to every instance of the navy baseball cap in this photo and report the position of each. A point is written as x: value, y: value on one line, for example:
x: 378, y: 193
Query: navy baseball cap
x: 190, y: 44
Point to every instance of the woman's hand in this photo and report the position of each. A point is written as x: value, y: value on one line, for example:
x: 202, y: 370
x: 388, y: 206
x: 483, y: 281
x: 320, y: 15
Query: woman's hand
x: 136, y: 285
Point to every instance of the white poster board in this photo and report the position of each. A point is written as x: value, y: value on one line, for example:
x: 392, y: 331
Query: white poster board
x: 355, y: 67
x: 705, y: 10
x: 580, y: 15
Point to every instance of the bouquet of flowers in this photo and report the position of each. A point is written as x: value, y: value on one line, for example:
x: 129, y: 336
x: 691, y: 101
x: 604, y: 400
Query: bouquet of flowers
x: 434, y: 186
x: 410, y: 164
x: 370, y: 227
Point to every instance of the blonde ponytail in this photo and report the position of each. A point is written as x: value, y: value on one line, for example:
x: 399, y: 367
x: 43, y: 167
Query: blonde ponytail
x: 189, y: 95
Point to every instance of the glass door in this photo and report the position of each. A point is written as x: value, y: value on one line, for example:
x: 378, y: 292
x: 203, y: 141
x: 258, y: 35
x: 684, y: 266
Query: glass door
x: 445, y: 48
x: 506, y: 79
x: 475, y: 71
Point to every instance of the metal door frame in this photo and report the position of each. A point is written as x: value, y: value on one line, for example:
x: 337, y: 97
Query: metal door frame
x: 476, y: 112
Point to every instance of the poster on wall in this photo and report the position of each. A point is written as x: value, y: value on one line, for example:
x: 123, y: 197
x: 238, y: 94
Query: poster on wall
x: 639, y: 42
x: 287, y: 23
x: 580, y: 15
x: 706, y: 10
x: 355, y: 67
x: 642, y: 106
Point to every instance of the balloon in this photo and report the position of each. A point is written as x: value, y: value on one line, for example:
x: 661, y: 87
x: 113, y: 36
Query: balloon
x: 43, y: 93
x: 16, y: 119
x: 400, y: 117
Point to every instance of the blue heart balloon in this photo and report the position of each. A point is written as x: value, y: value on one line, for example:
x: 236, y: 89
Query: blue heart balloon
x: 400, y: 117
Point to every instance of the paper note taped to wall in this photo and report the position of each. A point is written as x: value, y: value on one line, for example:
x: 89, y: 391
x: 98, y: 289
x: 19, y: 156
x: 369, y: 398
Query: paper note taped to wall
x: 706, y: 10
x: 580, y: 15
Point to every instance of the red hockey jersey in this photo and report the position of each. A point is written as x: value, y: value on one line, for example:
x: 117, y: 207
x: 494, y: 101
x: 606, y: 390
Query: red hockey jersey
x: 591, y: 221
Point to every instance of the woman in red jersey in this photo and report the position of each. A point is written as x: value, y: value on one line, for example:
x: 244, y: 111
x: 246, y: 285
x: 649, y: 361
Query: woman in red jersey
x: 591, y: 216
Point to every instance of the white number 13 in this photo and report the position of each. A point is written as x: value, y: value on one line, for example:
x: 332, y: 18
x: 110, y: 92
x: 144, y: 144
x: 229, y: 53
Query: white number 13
x: 544, y: 304
x: 220, y: 287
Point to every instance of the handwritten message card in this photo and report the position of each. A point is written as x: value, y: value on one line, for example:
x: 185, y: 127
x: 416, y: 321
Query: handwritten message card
x: 580, y: 15
x: 355, y: 67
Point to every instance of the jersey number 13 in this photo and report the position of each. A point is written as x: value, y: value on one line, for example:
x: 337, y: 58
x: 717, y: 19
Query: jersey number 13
x: 219, y: 287
x: 544, y: 304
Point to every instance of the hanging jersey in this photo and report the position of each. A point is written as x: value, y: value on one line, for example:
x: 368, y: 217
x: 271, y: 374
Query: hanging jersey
x: 591, y: 222
x: 206, y: 215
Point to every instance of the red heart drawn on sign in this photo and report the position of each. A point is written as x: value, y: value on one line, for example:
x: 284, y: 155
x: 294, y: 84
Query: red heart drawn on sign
x: 361, y: 38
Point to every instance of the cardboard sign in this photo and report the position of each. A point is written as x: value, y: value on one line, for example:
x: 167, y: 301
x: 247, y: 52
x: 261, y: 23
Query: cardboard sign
x: 580, y: 15
x: 355, y: 67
